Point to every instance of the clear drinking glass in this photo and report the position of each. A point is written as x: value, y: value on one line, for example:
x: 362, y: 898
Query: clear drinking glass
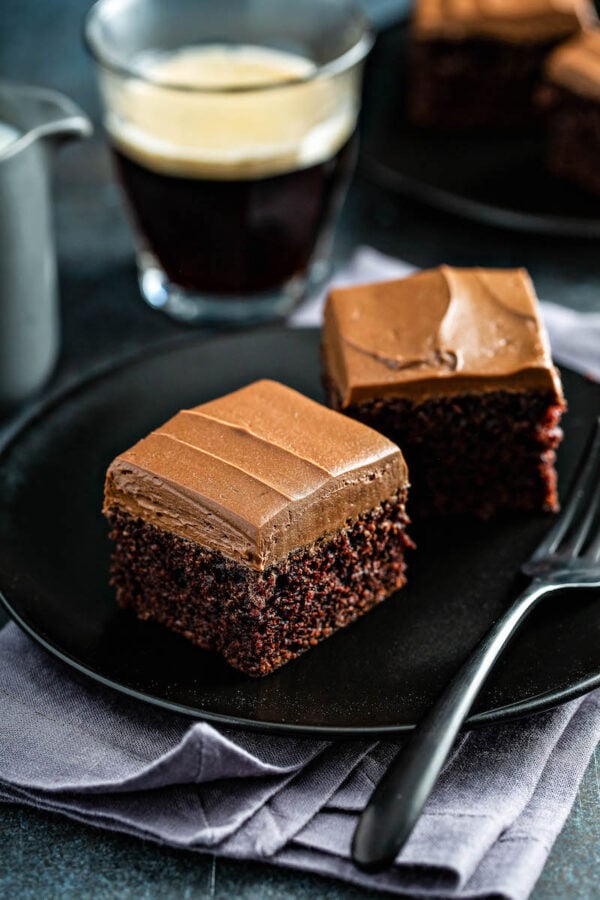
x: 233, y: 129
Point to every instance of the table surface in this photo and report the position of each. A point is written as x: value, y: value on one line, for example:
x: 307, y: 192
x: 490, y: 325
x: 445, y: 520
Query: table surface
x: 103, y: 318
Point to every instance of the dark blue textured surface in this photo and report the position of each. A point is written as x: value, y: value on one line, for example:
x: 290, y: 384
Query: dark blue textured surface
x: 46, y: 856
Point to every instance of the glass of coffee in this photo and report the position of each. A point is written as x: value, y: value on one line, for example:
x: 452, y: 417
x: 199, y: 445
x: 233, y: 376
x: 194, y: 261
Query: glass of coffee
x: 232, y: 124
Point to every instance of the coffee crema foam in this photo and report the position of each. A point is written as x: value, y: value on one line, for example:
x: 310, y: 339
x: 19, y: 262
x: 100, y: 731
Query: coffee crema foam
x: 210, y: 133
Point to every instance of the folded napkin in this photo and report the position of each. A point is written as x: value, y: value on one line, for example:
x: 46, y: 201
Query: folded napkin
x: 574, y: 336
x: 72, y: 746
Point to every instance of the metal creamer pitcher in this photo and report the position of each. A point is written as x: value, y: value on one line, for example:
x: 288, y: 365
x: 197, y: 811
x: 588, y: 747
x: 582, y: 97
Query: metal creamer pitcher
x: 33, y: 122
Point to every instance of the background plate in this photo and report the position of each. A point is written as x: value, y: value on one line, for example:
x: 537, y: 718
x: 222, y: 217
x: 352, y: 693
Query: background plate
x: 488, y: 177
x: 376, y: 677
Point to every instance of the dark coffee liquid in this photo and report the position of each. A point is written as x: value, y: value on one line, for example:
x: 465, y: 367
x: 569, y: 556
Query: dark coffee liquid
x: 236, y: 237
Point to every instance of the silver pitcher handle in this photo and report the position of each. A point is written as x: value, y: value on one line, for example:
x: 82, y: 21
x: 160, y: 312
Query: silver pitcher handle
x: 44, y: 113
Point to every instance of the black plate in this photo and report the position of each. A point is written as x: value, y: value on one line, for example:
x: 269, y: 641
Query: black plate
x: 377, y: 676
x: 488, y: 177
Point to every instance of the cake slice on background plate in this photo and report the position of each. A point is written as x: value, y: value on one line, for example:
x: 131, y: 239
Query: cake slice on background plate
x: 476, y: 63
x: 570, y: 97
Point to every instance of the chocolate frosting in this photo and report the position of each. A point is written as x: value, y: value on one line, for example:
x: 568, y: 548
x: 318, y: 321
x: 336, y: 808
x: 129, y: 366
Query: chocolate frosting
x: 576, y: 65
x: 524, y: 21
x: 441, y: 332
x: 256, y: 474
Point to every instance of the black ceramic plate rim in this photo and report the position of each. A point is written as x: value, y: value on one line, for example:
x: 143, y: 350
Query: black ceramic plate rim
x: 535, y: 704
x: 458, y: 204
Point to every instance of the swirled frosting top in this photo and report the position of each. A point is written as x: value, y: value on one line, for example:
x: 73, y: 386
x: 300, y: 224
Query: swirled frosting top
x: 441, y: 332
x: 525, y: 21
x: 255, y: 474
x: 576, y: 64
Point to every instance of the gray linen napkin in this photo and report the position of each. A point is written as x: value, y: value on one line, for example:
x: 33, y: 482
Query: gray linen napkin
x: 72, y: 746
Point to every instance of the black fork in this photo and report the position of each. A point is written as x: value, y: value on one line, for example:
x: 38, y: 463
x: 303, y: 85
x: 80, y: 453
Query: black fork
x: 568, y: 557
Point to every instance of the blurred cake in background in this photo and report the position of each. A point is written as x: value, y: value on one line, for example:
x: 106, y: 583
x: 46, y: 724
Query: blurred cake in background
x: 571, y: 96
x: 477, y: 63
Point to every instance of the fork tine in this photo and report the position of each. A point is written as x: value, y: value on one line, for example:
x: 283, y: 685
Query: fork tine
x: 573, y: 545
x: 552, y: 540
x: 593, y: 551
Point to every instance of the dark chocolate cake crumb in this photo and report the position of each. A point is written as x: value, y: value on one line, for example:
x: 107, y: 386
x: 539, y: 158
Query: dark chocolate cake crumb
x: 573, y: 136
x: 259, y: 620
x: 475, y: 83
x: 476, y: 454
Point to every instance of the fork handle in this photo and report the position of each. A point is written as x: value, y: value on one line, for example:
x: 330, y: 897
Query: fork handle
x: 397, y: 801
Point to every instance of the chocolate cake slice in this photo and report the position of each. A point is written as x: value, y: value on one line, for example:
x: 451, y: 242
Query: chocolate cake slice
x: 476, y: 63
x: 257, y: 524
x: 454, y: 365
x: 571, y: 98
